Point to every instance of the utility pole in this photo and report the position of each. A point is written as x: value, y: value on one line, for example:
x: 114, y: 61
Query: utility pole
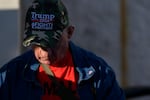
x: 123, y: 34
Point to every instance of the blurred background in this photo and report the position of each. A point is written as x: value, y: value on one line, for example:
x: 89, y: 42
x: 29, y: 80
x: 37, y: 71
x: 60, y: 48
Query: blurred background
x: 116, y: 30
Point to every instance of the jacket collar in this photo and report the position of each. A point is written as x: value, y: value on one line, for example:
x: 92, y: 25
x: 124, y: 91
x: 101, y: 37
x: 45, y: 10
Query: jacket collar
x: 30, y: 69
x: 82, y: 65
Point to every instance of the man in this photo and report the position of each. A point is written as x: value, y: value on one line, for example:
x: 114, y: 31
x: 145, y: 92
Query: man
x: 55, y: 68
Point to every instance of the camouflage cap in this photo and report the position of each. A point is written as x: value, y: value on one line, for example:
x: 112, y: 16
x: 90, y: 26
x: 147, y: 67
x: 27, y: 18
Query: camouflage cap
x: 45, y: 21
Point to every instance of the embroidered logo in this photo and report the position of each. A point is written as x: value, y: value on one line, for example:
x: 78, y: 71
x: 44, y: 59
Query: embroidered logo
x: 42, y: 21
x: 90, y: 72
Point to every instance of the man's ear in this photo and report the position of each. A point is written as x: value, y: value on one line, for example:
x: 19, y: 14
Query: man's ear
x: 70, y: 31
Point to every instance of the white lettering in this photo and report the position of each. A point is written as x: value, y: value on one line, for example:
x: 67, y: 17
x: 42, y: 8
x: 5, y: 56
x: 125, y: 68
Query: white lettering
x: 42, y: 17
x: 45, y: 26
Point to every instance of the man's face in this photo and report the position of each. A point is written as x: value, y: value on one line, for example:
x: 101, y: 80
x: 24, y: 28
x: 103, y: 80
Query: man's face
x: 52, y: 55
x: 44, y: 56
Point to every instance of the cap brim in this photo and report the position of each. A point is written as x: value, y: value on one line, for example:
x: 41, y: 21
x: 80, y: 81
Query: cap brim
x: 44, y: 39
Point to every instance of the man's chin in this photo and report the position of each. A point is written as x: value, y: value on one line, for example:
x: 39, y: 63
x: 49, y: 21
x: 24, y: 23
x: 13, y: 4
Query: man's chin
x: 46, y: 62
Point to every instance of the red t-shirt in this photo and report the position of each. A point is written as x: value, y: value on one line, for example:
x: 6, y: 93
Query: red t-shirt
x: 64, y: 72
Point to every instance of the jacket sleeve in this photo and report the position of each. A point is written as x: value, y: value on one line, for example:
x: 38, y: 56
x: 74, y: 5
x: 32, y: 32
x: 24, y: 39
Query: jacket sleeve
x: 4, y: 83
x: 3, y: 72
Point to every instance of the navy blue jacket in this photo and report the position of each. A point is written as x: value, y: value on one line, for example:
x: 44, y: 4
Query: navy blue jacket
x: 97, y: 81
